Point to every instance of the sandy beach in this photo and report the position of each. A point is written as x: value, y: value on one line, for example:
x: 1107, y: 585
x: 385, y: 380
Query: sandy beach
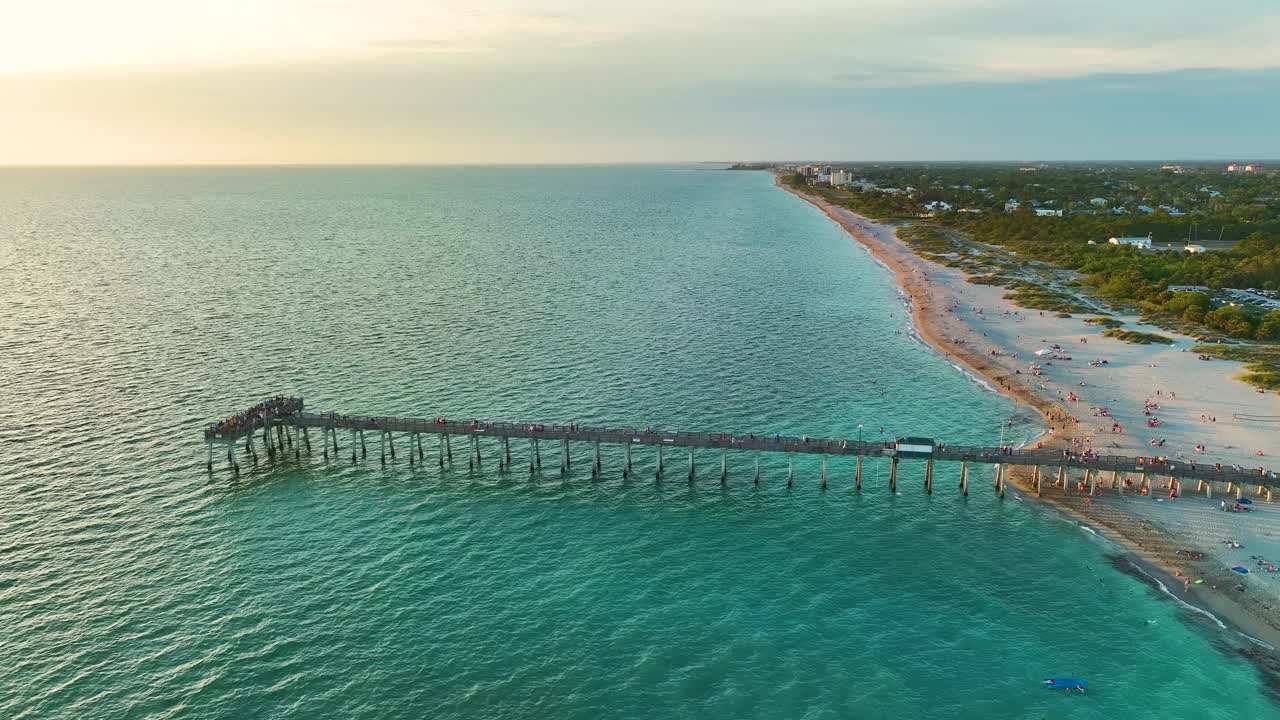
x: 1145, y: 399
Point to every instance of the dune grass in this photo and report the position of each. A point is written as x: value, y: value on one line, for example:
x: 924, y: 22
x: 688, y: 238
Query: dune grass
x: 1035, y: 297
x: 1262, y: 362
x: 1109, y: 323
x: 1137, y: 337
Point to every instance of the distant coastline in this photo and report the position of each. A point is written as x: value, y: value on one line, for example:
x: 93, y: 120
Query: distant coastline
x: 1153, y: 550
x: 907, y: 269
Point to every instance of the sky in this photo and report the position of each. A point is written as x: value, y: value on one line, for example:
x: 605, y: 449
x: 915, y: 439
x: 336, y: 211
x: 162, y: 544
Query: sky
x: 493, y: 81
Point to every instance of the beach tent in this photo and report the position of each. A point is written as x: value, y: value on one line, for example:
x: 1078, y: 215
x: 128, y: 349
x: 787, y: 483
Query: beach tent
x: 1043, y: 351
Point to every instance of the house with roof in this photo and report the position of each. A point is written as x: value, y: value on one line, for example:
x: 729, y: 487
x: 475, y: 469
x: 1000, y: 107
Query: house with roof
x: 1142, y: 243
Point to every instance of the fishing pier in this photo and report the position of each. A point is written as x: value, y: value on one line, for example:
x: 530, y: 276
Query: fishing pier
x: 283, y: 425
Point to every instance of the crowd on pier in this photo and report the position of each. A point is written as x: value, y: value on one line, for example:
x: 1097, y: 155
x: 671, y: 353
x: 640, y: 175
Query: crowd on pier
x: 252, y: 417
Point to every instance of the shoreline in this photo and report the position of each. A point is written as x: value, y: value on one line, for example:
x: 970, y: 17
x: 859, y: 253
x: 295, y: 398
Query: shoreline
x: 1150, y: 551
x: 923, y: 314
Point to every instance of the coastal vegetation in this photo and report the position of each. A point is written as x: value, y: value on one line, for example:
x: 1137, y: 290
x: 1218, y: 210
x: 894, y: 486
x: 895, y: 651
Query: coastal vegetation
x: 1237, y: 216
x: 1106, y: 322
x: 1262, y: 362
x: 1137, y: 337
x: 1036, y: 297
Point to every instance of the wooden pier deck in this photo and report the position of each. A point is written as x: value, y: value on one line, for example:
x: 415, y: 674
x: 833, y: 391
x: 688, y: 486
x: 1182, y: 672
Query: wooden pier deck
x: 291, y: 424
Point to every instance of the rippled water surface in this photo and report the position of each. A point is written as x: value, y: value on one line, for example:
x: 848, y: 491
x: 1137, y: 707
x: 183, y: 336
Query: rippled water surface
x: 137, y: 305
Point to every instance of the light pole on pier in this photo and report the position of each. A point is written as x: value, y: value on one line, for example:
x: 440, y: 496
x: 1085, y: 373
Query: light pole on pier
x: 1006, y: 422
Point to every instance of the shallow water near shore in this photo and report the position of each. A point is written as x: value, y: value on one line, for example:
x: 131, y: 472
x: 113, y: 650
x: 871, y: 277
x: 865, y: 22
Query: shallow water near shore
x: 140, y: 304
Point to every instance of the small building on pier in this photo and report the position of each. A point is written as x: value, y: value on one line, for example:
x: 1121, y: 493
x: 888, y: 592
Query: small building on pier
x: 914, y: 447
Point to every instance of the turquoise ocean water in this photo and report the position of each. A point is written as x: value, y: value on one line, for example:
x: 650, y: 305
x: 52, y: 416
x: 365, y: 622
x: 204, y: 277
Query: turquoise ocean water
x: 138, y: 305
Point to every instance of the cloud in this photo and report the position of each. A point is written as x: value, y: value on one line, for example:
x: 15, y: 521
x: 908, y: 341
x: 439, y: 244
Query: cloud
x: 257, y: 80
x: 423, y: 44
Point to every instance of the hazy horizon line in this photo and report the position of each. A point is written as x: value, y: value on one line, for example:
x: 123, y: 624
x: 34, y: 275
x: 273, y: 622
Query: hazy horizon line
x: 602, y: 163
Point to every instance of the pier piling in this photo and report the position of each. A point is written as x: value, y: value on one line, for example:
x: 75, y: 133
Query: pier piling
x: 824, y: 472
x: 857, y: 473
x: 928, y: 477
x: 964, y: 479
x: 893, y: 475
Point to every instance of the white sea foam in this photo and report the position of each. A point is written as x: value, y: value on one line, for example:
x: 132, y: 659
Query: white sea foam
x: 1164, y: 589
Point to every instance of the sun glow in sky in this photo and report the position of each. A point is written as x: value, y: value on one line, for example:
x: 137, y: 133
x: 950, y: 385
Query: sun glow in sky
x: 230, y: 81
